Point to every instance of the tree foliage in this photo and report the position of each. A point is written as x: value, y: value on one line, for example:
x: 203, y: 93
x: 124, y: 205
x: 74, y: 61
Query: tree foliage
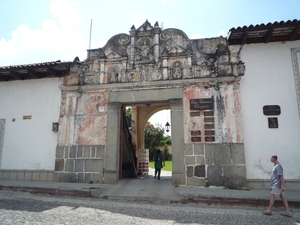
x: 152, y: 138
x: 128, y: 116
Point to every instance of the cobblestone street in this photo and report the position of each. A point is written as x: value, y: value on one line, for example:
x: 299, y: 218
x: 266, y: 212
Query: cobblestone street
x: 24, y: 208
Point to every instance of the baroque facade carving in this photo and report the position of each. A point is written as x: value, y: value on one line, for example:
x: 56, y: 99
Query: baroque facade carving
x: 151, y: 54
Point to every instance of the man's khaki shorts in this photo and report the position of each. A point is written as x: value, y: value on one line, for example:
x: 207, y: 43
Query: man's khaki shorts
x: 276, y: 191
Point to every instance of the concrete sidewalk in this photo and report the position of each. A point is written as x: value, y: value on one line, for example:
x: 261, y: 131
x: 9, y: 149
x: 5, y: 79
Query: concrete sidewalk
x: 146, y: 188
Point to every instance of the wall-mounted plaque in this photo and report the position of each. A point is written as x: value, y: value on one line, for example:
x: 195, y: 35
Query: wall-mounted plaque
x: 209, y: 119
x: 196, y: 132
x: 27, y: 117
x: 273, y: 122
x: 196, y: 139
x: 209, y: 132
x: 208, y: 113
x: 209, y: 139
x: 193, y: 114
x: 271, y: 110
x: 209, y: 126
x: 201, y: 104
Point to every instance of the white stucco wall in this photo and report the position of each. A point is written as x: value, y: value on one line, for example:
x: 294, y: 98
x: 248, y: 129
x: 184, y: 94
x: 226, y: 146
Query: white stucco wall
x: 30, y: 144
x: 269, y: 80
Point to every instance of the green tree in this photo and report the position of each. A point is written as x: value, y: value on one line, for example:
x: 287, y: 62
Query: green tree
x: 166, y: 141
x: 152, y: 137
x: 128, y: 117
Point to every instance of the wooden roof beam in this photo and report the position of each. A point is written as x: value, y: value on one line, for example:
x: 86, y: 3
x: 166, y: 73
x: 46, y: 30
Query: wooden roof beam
x: 294, y: 33
x: 244, y: 37
x: 53, y: 72
x: 33, y: 73
x: 3, y: 77
x: 269, y: 35
x: 15, y: 75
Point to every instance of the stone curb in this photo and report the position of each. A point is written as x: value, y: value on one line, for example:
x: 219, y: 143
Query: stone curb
x: 98, y: 193
x: 50, y: 191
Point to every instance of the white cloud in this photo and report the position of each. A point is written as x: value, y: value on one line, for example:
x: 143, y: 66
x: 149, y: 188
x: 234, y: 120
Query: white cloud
x: 222, y: 33
x: 160, y: 119
x: 56, y: 39
x: 197, y: 36
x: 67, y: 12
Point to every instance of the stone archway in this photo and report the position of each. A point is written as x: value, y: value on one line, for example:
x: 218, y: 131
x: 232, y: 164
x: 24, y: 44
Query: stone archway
x: 116, y: 100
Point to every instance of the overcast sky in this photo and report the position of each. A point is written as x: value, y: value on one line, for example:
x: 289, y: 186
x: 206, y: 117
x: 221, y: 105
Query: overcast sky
x: 33, y: 31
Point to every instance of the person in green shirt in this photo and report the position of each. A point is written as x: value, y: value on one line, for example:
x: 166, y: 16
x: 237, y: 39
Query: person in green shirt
x: 159, y: 162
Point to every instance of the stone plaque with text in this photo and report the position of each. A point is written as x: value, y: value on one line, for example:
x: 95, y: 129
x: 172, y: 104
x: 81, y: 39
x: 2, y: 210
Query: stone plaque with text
x: 271, y: 110
x: 193, y: 114
x: 209, y: 132
x: 196, y: 139
x: 273, y: 122
x: 196, y: 132
x: 209, y: 139
x: 208, y: 113
x: 201, y: 104
x: 209, y: 126
x: 209, y: 119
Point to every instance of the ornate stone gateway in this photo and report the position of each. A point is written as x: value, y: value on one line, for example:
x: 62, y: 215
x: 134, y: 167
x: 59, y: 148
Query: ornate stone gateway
x: 198, y: 79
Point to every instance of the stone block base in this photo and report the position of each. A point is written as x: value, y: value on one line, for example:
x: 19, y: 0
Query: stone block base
x: 78, y: 177
x: 34, y: 175
x: 111, y: 177
x: 178, y: 179
x: 291, y: 185
x: 196, y: 181
x: 219, y: 164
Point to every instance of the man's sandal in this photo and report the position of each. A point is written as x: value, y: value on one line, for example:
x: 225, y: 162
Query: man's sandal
x: 267, y: 213
x: 286, y: 214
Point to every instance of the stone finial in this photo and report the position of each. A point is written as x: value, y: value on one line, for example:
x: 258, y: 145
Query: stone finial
x: 76, y: 60
x: 156, y: 25
x: 133, y: 27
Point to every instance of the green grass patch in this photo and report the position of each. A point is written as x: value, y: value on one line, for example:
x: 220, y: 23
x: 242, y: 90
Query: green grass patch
x: 167, y: 167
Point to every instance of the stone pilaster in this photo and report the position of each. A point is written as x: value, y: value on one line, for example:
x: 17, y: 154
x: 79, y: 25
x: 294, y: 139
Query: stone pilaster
x: 112, y: 153
x: 165, y: 68
x: 178, y: 173
x: 2, y: 130
x: 132, y: 44
x: 156, y: 43
x: 101, y: 71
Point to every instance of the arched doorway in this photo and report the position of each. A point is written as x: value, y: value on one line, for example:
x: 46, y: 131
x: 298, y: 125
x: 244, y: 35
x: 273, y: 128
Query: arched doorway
x: 159, y: 99
x: 158, y: 137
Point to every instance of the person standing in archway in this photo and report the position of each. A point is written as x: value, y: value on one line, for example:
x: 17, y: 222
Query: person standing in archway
x: 159, y: 162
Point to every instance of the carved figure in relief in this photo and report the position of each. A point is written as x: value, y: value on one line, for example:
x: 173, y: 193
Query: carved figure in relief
x: 177, y: 71
x: 145, y: 51
x: 132, y: 77
x: 113, y: 76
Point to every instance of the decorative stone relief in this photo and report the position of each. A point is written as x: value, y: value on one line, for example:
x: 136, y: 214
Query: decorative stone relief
x: 124, y: 39
x: 177, y: 70
x: 132, y: 76
x: 144, y: 50
x: 88, y: 75
x: 63, y: 103
x: 296, y: 68
x: 152, y: 54
x: 2, y: 130
x: 113, y: 74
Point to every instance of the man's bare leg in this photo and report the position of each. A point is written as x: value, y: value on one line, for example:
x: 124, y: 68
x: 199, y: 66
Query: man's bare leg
x: 286, y: 205
x: 272, y: 201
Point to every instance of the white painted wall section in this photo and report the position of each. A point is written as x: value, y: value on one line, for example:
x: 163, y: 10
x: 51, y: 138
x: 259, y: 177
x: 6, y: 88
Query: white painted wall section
x: 30, y: 144
x: 269, y: 80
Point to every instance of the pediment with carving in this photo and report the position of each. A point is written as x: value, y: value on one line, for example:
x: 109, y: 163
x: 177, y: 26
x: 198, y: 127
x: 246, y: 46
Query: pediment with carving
x: 150, y: 53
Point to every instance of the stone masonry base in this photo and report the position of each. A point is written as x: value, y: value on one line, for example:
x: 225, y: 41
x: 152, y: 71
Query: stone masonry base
x: 34, y: 175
